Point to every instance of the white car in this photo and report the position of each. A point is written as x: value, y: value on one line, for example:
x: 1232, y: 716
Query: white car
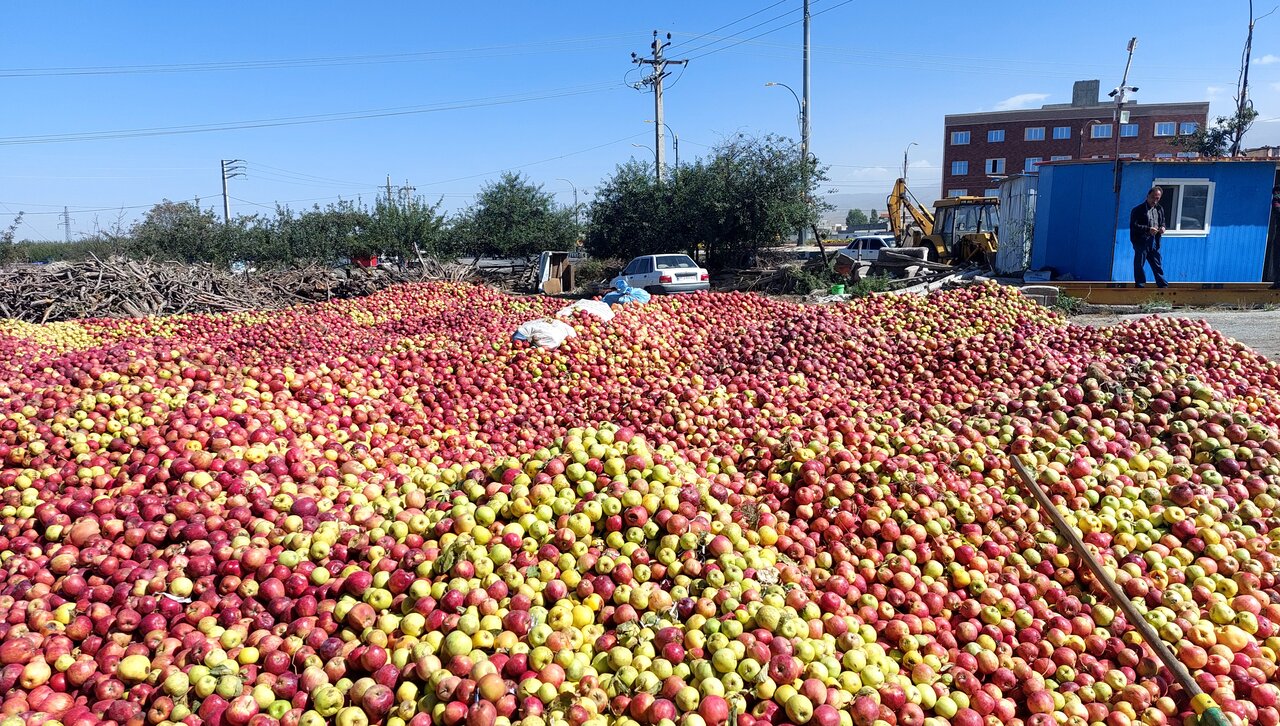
x: 861, y: 249
x: 663, y: 274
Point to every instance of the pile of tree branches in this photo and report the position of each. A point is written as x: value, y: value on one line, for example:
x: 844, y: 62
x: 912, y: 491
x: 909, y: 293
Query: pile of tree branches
x: 119, y: 287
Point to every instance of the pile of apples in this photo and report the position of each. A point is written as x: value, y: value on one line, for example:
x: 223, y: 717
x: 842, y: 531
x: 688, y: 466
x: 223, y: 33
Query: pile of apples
x: 714, y: 509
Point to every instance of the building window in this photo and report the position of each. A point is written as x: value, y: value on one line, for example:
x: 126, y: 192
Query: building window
x: 991, y: 193
x: 1034, y: 133
x: 1164, y: 156
x: 959, y: 168
x: 1188, y: 155
x: 995, y: 166
x: 1100, y: 131
x: 1130, y: 156
x: 1188, y: 206
x: 1186, y: 128
x: 1061, y: 158
x: 1061, y: 132
x: 1030, y: 164
x: 957, y: 192
x: 995, y: 136
x: 1165, y: 128
x: 959, y: 138
x: 1128, y: 131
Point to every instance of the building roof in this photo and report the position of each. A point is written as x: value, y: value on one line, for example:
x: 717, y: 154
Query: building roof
x: 1200, y: 160
x: 1067, y: 111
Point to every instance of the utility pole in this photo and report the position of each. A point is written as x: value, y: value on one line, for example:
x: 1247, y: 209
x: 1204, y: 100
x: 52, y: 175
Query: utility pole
x: 804, y: 120
x: 66, y: 224
x: 388, y: 190
x: 654, y: 80
x: 1242, y: 97
x: 1119, y: 116
x: 231, y: 168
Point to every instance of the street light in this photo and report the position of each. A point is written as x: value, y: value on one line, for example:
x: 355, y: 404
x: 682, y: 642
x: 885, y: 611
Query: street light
x: 1085, y: 130
x: 799, y: 105
x: 650, y: 149
x: 576, y: 223
x: 676, y: 140
x: 804, y: 151
x: 904, y: 160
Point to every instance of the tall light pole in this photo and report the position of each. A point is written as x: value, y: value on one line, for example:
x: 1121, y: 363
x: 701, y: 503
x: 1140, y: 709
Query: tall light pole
x: 649, y: 149
x: 804, y: 131
x: 675, y: 139
x: 576, y: 223
x: 904, y: 160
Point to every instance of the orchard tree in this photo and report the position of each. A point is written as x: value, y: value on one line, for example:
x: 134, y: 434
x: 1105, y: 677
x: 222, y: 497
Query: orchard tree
x: 630, y: 214
x: 404, y: 227
x: 178, y: 231
x: 513, y: 217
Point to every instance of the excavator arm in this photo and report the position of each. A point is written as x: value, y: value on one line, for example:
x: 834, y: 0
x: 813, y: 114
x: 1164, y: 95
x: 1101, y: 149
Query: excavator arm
x: 899, y: 199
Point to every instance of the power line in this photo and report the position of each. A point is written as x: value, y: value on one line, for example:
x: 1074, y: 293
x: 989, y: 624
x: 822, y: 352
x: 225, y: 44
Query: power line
x: 306, y: 119
x: 322, y: 61
x: 735, y: 22
x: 769, y: 32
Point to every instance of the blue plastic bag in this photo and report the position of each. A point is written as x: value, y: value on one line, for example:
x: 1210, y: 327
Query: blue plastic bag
x: 624, y: 293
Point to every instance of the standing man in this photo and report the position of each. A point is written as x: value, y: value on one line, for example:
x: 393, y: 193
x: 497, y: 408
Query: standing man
x: 1146, y: 225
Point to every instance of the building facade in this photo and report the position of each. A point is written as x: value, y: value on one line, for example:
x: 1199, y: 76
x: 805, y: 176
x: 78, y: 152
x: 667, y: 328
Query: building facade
x: 980, y: 149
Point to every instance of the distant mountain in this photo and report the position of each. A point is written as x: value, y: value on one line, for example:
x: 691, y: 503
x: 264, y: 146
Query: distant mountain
x: 867, y: 201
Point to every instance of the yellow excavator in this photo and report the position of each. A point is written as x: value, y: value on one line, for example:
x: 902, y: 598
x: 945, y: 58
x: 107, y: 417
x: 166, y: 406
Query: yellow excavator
x: 960, y: 230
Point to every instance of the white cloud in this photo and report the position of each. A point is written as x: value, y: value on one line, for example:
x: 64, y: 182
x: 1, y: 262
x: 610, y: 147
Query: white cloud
x: 1267, y: 60
x: 1214, y: 91
x: 1022, y: 100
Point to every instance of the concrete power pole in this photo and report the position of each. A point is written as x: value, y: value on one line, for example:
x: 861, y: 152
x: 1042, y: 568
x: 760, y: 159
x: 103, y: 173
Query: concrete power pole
x: 654, y: 80
x: 231, y: 168
x: 804, y: 120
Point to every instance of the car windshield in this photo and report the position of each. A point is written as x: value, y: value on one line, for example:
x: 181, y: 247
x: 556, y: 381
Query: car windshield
x: 675, y: 262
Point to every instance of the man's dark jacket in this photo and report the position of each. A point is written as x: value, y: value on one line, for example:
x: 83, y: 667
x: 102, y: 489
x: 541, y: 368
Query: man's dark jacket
x: 1139, y: 224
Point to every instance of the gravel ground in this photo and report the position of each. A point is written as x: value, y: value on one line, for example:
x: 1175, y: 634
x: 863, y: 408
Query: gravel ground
x: 1258, y: 329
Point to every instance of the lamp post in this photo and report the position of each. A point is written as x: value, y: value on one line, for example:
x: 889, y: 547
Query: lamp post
x: 649, y: 148
x: 1084, y: 131
x: 903, y: 221
x: 576, y: 223
x: 675, y: 141
x: 804, y: 151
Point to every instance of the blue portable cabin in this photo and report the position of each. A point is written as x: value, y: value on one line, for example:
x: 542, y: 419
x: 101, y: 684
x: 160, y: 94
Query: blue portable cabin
x: 1219, y: 213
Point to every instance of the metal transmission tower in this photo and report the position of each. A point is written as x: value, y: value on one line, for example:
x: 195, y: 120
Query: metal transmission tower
x: 66, y: 224
x: 231, y: 168
x: 654, y: 80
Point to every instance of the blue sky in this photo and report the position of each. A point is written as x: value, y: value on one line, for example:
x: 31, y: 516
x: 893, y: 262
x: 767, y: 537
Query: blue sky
x: 478, y: 88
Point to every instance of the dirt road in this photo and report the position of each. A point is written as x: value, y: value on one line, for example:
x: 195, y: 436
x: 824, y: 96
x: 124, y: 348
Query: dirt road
x: 1258, y: 329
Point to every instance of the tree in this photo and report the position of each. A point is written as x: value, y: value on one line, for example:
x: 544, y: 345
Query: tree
x: 404, y: 227
x: 747, y: 194
x: 513, y: 217
x: 872, y: 217
x: 1216, y: 140
x: 854, y: 218
x: 630, y: 214
x: 321, y: 233
x: 178, y: 231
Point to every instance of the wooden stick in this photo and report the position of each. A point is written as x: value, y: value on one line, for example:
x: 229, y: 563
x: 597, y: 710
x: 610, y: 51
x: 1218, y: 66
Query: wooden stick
x: 1201, y: 702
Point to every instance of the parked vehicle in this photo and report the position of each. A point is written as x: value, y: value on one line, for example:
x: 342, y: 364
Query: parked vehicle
x: 865, y: 248
x: 666, y: 274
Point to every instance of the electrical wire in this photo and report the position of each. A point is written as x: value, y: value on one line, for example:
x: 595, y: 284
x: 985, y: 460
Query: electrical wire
x: 726, y: 25
x: 774, y: 30
x: 744, y: 30
x: 314, y: 62
x: 86, y: 210
x: 308, y: 119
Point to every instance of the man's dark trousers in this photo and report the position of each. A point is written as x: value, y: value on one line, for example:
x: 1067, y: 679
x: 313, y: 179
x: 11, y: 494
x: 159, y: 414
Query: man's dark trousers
x: 1148, y: 252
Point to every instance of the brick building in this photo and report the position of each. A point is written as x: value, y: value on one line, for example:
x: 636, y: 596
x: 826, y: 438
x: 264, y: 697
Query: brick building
x: 981, y: 148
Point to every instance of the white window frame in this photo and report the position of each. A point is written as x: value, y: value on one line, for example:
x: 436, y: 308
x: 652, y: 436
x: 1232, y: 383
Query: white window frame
x: 1171, y: 125
x: 1131, y: 156
x: 991, y: 164
x: 1029, y: 163
x: 952, y: 193
x: 995, y: 136
x: 1164, y: 156
x: 964, y: 172
x: 1095, y: 131
x: 1027, y: 135
x: 1177, y: 213
x: 1188, y: 154
x: 1057, y: 137
x: 1182, y: 127
x: 1064, y: 157
x: 1134, y: 127
x: 957, y: 135
x: 991, y: 193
